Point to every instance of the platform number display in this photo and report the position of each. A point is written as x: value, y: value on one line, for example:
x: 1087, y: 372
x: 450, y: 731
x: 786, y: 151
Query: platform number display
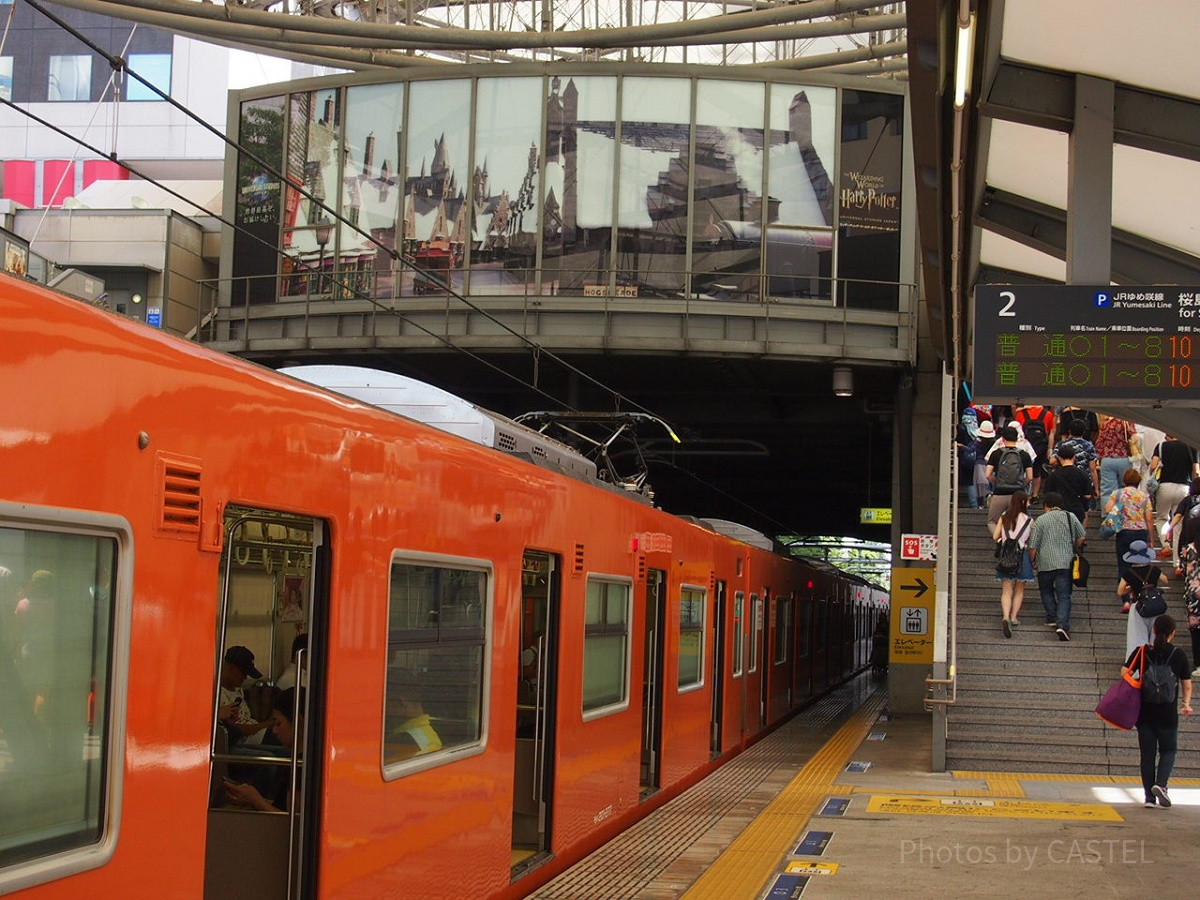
x: 1037, y: 343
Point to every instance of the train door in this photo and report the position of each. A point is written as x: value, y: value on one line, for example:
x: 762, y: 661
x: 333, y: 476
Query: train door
x: 533, y: 775
x: 718, y: 670
x: 654, y: 643
x: 266, y: 750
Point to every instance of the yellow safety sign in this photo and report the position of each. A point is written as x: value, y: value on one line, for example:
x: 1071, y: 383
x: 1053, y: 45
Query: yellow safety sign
x: 991, y: 808
x: 811, y: 868
x: 913, y: 594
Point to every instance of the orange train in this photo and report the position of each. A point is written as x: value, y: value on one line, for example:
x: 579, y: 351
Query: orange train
x: 503, y: 663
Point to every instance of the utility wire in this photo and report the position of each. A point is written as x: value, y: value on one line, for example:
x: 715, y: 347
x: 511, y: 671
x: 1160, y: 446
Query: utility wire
x: 120, y: 64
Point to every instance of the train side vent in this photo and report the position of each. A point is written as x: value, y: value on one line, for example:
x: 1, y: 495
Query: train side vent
x: 712, y: 581
x: 641, y: 568
x: 577, y: 567
x: 506, y: 442
x: 178, y: 498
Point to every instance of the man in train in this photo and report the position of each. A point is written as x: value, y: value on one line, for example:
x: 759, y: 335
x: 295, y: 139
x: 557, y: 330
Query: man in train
x: 234, y: 715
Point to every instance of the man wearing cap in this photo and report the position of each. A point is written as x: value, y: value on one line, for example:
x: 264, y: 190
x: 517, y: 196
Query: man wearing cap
x: 237, y: 667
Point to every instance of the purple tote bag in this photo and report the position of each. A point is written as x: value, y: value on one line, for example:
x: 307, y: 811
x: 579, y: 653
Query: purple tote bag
x: 1122, y: 702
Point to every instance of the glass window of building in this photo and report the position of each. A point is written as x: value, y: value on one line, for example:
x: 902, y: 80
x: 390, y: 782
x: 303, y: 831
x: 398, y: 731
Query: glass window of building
x: 652, y: 200
x: 505, y: 186
x: 70, y: 78
x: 606, y: 646
x: 371, y: 182
x: 436, y: 662
x: 581, y: 149
x: 6, y: 77
x: 691, y: 638
x: 801, y: 164
x: 727, y: 206
x: 57, y: 591
x: 155, y: 68
x: 436, y: 177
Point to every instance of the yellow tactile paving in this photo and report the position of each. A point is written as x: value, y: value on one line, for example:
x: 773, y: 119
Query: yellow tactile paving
x: 754, y: 856
x: 988, y: 808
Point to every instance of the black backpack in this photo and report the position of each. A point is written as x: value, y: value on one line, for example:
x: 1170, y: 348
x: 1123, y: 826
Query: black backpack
x: 1151, y: 601
x: 1158, y: 681
x: 1036, y: 434
x: 1010, y: 471
x: 1009, y: 553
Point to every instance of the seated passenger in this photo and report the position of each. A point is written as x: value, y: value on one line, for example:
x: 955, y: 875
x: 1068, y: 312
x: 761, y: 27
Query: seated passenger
x: 288, y: 677
x: 233, y: 713
x: 410, y: 729
x: 287, y: 731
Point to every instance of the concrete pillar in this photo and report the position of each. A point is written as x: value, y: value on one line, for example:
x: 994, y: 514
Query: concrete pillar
x: 1089, y: 183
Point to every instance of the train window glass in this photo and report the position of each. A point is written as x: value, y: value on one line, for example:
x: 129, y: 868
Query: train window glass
x: 756, y: 637
x: 783, y: 629
x: 437, y: 637
x: 58, y: 709
x: 691, y: 638
x: 739, y: 638
x: 606, y: 647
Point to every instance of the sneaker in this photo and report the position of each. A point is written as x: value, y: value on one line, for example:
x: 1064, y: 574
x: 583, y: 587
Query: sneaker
x: 1160, y: 794
x: 1050, y: 623
x: 1006, y: 628
x: 1062, y: 634
x: 1150, y: 804
x: 1014, y: 623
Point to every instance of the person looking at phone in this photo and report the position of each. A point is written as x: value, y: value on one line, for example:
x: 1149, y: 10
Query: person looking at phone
x: 237, y: 667
x: 288, y: 731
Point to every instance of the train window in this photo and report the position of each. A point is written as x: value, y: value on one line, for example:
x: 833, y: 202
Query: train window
x: 606, y: 647
x: 783, y: 629
x: 755, y: 638
x: 739, y: 638
x: 437, y: 653
x: 61, y: 712
x: 691, y: 637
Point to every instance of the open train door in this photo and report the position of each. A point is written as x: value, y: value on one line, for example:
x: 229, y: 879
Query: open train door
x: 533, y: 773
x: 654, y: 643
x: 266, y: 741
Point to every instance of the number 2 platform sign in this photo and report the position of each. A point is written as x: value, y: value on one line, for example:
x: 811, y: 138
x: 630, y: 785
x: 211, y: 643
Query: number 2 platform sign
x: 1051, y: 342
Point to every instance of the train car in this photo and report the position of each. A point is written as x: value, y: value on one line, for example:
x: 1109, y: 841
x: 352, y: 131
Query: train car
x: 497, y: 665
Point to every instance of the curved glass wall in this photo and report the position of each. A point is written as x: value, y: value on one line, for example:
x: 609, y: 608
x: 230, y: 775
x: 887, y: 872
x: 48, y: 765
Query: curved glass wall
x: 632, y: 186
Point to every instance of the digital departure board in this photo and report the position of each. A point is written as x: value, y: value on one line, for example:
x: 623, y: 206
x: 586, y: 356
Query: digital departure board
x: 1049, y: 342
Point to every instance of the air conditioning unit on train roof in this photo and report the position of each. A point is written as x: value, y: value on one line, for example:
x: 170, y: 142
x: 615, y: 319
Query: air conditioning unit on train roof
x: 743, y: 533
x: 440, y: 409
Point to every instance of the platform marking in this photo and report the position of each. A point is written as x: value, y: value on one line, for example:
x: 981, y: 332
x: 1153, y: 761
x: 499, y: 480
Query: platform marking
x: 876, y: 736
x: 894, y: 804
x: 813, y: 844
x: 753, y: 858
x: 787, y: 887
x: 802, y: 867
x: 835, y: 806
x: 858, y: 765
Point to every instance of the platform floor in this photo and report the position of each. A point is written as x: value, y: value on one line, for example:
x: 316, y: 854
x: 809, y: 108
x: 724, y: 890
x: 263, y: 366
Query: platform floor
x: 843, y: 797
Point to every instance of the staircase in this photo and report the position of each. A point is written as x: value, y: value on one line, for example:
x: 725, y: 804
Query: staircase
x: 1028, y: 704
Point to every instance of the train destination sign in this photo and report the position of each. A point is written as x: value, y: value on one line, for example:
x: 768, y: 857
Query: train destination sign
x: 1050, y: 342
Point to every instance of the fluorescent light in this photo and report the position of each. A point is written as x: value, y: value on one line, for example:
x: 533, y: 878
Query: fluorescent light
x: 963, y: 57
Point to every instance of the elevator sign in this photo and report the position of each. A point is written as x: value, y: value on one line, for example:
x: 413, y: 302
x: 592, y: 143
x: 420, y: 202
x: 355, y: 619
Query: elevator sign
x: 1051, y: 342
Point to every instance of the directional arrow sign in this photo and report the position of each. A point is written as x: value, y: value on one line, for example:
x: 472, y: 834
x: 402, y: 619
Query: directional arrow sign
x: 912, y: 630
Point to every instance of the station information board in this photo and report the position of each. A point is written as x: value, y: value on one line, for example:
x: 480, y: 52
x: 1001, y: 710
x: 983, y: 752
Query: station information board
x: 1050, y: 342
